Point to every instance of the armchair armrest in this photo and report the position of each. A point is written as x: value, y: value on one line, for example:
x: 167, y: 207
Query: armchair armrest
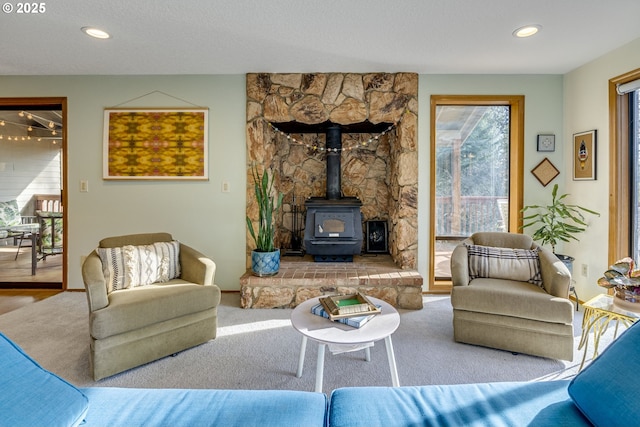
x: 196, y: 267
x: 94, y: 282
x: 460, y: 264
x: 556, y: 277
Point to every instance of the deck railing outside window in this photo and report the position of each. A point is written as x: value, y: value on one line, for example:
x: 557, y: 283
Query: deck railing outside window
x: 475, y: 213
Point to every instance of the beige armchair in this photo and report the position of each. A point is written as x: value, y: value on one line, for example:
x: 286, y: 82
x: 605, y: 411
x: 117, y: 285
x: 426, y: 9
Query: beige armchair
x: 130, y: 326
x: 506, y: 303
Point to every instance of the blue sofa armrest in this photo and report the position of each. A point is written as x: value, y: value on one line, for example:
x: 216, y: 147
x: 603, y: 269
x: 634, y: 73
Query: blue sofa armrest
x: 607, y: 390
x: 31, y: 396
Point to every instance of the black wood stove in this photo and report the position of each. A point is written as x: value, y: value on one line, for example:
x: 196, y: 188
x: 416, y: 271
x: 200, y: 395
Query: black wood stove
x: 333, y: 229
x: 333, y: 225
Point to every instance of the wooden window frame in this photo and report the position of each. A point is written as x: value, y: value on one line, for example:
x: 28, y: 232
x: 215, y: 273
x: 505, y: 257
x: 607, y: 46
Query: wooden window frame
x: 619, y: 171
x: 516, y: 166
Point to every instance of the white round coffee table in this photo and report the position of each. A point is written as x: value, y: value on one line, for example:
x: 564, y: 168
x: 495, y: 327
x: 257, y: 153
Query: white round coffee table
x: 325, y: 332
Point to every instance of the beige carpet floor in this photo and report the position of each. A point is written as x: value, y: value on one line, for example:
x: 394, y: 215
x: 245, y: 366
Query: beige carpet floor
x: 258, y: 349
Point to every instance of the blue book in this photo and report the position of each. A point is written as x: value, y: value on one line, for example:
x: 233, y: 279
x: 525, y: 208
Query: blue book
x: 355, y: 321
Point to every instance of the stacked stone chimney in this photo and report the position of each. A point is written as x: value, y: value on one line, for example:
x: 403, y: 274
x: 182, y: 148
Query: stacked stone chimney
x: 381, y: 170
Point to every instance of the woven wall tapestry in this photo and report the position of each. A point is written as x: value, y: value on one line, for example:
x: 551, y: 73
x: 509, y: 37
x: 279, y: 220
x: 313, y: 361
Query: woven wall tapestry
x: 164, y: 144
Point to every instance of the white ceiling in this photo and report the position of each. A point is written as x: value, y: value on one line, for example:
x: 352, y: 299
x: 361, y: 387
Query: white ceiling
x: 240, y: 36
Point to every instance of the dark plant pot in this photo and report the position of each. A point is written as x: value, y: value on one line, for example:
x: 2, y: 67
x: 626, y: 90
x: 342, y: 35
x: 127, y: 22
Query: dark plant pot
x: 567, y: 260
x: 265, y: 264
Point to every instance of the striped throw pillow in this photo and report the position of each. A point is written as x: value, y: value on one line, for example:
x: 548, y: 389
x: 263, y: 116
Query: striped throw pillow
x: 113, y: 268
x: 130, y: 266
x: 504, y: 263
x: 155, y: 263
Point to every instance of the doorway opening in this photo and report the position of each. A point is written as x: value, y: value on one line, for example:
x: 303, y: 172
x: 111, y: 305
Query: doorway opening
x: 33, y: 205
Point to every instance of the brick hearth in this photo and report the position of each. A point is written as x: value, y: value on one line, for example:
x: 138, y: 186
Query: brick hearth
x: 300, y: 278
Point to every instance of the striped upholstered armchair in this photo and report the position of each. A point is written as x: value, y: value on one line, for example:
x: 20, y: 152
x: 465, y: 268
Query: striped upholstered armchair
x: 511, y: 294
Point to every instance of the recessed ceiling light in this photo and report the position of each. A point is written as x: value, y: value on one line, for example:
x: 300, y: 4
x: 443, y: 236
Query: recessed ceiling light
x: 95, y: 32
x: 527, y: 30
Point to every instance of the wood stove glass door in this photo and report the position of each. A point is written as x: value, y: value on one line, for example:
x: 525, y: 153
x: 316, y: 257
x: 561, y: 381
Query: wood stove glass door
x: 334, y: 224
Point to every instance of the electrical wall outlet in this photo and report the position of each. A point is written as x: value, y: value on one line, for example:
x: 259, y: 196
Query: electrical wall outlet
x: 585, y: 270
x: 84, y: 186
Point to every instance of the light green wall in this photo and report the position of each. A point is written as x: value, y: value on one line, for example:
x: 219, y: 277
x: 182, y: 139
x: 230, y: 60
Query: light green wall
x: 199, y: 214
x: 543, y: 114
x: 586, y: 107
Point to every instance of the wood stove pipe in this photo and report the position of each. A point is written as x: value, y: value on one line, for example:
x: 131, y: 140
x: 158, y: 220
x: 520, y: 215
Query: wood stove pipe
x: 334, y: 152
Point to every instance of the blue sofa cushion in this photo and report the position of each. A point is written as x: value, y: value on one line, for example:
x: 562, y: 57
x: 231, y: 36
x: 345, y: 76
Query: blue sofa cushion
x: 180, y: 407
x: 607, y: 391
x: 31, y: 396
x: 487, y: 404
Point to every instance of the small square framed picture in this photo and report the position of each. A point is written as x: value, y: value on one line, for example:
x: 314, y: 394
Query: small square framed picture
x: 546, y: 142
x: 545, y: 171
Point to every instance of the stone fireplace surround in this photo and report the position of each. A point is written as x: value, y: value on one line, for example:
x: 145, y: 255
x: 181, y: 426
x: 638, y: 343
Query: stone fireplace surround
x: 380, y: 169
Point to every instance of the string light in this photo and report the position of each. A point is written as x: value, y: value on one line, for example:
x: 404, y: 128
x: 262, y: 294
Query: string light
x: 316, y: 147
x: 49, y: 126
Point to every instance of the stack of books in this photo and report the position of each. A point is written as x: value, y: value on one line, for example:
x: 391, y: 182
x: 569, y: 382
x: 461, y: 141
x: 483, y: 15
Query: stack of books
x: 352, y: 310
x: 354, y: 321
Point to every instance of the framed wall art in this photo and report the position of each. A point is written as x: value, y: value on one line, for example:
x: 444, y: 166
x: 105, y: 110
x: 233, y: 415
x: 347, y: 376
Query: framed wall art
x: 377, y: 236
x: 545, y: 172
x: 584, y: 155
x: 546, y: 142
x: 155, y: 144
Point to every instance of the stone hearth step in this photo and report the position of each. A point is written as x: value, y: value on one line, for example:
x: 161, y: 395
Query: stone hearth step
x: 300, y: 278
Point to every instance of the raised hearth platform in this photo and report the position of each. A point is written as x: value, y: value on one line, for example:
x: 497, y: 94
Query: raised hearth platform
x: 300, y: 278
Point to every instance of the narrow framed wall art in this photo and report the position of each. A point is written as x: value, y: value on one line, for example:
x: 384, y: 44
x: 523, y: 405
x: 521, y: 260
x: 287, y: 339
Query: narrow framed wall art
x: 584, y: 155
x: 155, y: 144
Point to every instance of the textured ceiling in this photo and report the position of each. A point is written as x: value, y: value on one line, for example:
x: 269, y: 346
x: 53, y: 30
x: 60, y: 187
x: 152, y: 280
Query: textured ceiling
x: 240, y: 36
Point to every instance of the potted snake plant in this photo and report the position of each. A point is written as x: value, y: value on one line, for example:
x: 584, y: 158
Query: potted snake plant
x: 265, y: 258
x: 557, y: 222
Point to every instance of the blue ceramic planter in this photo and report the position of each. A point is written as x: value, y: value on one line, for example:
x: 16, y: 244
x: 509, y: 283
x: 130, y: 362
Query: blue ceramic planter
x: 265, y: 263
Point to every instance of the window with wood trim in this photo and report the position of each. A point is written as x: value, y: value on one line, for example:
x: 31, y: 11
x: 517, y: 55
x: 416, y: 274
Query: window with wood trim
x: 624, y: 166
x: 476, y: 173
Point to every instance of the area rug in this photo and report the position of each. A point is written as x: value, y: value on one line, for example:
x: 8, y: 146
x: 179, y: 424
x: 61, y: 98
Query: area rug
x: 258, y: 349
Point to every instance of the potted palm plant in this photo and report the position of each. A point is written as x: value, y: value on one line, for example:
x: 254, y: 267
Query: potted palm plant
x: 265, y: 258
x: 557, y: 222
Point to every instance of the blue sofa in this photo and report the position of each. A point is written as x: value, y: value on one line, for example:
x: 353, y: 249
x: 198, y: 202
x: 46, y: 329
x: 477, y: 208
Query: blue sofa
x: 605, y: 393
